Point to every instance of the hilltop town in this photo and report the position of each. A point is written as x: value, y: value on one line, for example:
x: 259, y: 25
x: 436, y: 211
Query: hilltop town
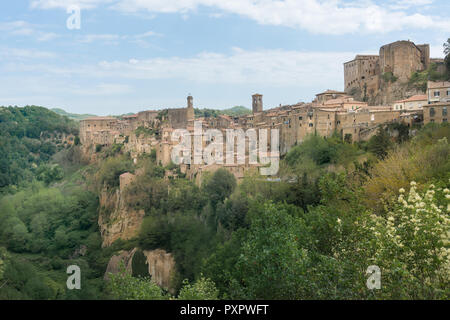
x: 331, y: 112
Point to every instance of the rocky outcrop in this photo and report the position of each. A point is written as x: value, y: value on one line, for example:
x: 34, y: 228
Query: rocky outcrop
x: 160, y: 264
x: 116, y: 219
x: 115, y: 261
x: 161, y: 267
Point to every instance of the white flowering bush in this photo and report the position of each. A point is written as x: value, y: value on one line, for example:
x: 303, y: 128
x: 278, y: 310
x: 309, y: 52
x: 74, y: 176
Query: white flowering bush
x: 411, y: 244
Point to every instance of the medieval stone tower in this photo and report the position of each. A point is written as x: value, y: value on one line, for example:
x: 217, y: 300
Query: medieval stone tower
x: 190, y: 114
x: 257, y: 104
x: 402, y: 58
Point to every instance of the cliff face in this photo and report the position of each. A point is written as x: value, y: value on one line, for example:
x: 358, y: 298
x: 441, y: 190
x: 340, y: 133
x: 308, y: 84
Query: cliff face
x: 160, y: 264
x: 116, y: 219
x: 387, y: 93
x: 391, y: 92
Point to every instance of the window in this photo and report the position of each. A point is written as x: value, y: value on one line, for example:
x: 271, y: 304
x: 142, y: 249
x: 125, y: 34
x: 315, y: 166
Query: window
x: 432, y: 112
x: 310, y: 124
x: 444, y: 120
x: 437, y: 94
x: 300, y: 118
x: 448, y: 92
x: 444, y: 111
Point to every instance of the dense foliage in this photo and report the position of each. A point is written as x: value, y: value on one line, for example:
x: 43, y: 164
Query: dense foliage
x: 29, y: 137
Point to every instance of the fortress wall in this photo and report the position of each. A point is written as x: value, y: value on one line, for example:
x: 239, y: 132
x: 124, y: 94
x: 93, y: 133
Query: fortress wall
x: 402, y: 58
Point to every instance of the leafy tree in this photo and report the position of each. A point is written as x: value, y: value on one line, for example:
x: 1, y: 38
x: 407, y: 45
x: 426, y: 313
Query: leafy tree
x: 220, y: 186
x: 410, y: 244
x: 139, y: 265
x: 123, y: 286
x: 271, y: 259
x: 202, y: 289
x: 111, y: 169
x: 380, y: 143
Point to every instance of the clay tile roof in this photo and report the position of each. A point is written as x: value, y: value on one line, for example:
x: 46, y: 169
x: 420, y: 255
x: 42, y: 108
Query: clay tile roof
x: 99, y: 118
x: 418, y: 97
x: 331, y: 92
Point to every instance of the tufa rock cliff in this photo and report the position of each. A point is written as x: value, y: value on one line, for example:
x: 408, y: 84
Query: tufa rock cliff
x: 158, y: 264
x: 116, y: 219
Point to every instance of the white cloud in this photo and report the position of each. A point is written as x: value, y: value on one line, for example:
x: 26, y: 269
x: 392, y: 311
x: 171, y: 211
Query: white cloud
x: 102, y: 89
x: 106, y: 38
x: 147, y: 35
x: 405, y: 4
x: 264, y: 67
x: 22, y: 54
x: 64, y: 4
x: 26, y: 29
x: 324, y: 17
x: 114, y: 39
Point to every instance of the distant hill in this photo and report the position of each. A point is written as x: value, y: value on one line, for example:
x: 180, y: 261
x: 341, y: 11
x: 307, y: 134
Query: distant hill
x: 232, y: 112
x: 237, y: 111
x: 72, y: 116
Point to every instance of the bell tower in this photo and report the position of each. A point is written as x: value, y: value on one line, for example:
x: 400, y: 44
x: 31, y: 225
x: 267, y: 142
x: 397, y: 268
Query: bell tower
x: 257, y: 104
x: 190, y: 114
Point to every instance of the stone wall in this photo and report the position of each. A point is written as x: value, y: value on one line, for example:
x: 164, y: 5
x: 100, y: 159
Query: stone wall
x: 402, y: 58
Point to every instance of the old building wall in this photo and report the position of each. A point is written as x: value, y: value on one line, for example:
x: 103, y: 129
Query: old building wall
x: 361, y: 70
x: 402, y: 58
x: 438, y: 91
x: 436, y: 112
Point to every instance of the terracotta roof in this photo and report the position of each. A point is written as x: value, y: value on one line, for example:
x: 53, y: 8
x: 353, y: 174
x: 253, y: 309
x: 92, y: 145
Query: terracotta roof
x: 331, y: 92
x: 99, y: 118
x: 419, y: 97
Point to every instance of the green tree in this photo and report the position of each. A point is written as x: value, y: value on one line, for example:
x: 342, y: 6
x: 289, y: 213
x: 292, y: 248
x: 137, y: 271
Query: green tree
x: 447, y: 57
x: 220, y: 186
x: 380, y: 143
x: 202, y: 289
x: 123, y: 286
x: 272, y: 262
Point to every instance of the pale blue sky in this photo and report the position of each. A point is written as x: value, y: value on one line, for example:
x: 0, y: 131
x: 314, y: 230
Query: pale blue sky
x: 133, y: 55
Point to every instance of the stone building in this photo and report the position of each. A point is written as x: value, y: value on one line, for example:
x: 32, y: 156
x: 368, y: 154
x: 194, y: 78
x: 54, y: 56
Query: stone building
x: 415, y: 102
x: 332, y: 112
x: 379, y: 78
x: 438, y: 91
x: 363, y: 70
x: 402, y: 58
x: 436, y: 112
x: 323, y: 97
x: 257, y: 103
